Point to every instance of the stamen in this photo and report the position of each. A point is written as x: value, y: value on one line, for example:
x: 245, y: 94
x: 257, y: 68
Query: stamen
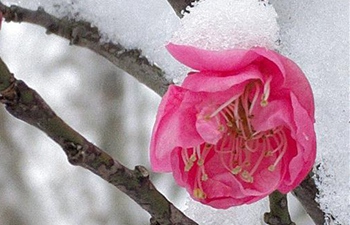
x: 224, y: 105
x: 262, y: 154
x: 185, y: 159
x: 256, y: 95
x: 188, y: 166
x: 204, y: 177
x: 281, y: 154
x: 247, y: 177
x: 266, y: 92
x: 240, y: 143
x: 188, y: 160
x: 228, y: 110
x: 235, y: 113
x: 198, y: 193
x: 271, y: 168
x: 236, y: 170
x: 252, y: 149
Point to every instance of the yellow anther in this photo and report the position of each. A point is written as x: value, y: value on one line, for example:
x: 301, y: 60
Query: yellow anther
x: 204, y: 177
x: 193, y: 158
x: 236, y: 170
x: 264, y: 102
x: 188, y: 166
x: 268, y: 153
x: 271, y: 168
x: 198, y: 193
x: 245, y: 175
x: 200, y: 162
x: 221, y: 128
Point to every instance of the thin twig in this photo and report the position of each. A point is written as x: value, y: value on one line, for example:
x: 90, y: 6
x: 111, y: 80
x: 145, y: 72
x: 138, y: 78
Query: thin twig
x: 26, y: 104
x: 82, y: 34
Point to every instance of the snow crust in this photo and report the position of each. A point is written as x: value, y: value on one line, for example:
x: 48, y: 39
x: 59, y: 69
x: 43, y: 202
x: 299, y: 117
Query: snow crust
x: 222, y: 24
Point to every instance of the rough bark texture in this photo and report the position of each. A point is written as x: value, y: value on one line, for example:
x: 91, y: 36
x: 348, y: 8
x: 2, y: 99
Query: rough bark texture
x: 26, y: 104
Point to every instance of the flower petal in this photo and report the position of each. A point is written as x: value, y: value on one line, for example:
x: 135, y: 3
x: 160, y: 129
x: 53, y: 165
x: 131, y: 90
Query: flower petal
x: 293, y: 78
x: 305, y: 138
x: 175, y: 126
x: 215, y: 81
x: 204, y: 60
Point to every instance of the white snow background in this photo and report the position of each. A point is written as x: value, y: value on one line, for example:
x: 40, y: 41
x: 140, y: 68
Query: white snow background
x: 315, y: 34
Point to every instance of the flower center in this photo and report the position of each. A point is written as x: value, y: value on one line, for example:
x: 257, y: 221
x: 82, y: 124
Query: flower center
x: 242, y: 150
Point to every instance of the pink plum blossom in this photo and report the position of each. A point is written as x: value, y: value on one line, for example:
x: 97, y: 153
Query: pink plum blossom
x: 238, y: 128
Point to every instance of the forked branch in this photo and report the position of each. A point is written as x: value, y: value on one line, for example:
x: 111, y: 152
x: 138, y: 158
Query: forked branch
x: 26, y: 104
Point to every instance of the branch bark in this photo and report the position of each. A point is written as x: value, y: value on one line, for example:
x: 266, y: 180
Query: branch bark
x: 82, y: 34
x: 306, y: 193
x: 279, y: 214
x: 180, y: 6
x: 25, y: 104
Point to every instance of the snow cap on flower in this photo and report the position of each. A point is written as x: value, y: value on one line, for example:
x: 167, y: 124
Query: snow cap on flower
x: 222, y: 24
x: 238, y: 129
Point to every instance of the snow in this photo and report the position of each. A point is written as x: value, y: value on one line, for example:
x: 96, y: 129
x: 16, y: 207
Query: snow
x: 146, y: 25
x: 222, y: 24
x: 315, y: 34
x: 246, y: 214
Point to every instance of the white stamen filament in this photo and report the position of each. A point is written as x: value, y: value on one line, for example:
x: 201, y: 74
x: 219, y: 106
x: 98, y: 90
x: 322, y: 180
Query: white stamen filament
x: 266, y: 93
x: 240, y: 143
x: 224, y: 105
x: 256, y: 95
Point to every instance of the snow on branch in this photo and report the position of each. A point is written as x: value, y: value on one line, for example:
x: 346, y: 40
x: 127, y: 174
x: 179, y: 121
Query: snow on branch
x: 26, y: 104
x: 82, y: 34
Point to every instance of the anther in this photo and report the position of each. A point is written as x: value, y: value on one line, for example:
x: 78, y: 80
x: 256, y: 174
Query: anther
x: 200, y: 162
x: 271, y: 168
x: 236, y: 170
x: 204, y: 177
x: 188, y: 166
x: 198, y: 193
x: 245, y: 175
x: 266, y: 92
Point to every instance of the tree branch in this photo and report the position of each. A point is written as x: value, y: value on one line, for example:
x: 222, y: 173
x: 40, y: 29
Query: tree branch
x: 82, y: 34
x: 25, y: 104
x: 180, y: 6
x: 306, y: 193
x: 279, y: 214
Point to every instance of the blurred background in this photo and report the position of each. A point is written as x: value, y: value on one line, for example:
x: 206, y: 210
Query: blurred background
x: 37, y: 184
